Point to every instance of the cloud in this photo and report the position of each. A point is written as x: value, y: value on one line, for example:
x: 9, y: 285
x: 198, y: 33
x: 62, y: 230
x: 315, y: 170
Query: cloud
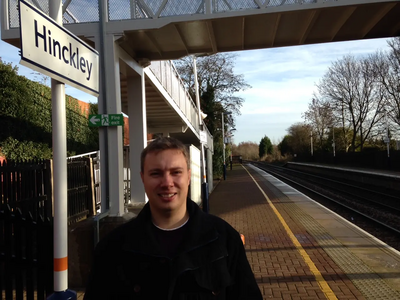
x: 283, y: 81
x: 285, y: 96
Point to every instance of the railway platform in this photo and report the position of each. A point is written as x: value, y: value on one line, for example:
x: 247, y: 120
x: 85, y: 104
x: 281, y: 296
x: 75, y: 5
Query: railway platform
x: 298, y: 249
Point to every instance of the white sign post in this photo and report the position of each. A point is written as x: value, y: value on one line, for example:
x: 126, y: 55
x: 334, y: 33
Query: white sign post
x: 50, y: 49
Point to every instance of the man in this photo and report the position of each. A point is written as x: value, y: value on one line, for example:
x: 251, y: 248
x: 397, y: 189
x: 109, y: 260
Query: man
x: 171, y: 250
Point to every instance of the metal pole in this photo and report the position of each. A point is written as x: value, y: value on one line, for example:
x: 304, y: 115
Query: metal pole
x: 60, y: 231
x: 231, y: 162
x: 204, y: 185
x: 387, y: 134
x: 103, y: 131
x: 333, y: 143
x: 223, y: 145
x: 312, y: 150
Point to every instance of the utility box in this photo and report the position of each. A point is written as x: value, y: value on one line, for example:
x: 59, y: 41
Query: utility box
x: 195, y: 181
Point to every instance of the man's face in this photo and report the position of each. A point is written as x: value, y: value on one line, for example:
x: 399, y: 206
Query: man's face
x: 166, y: 181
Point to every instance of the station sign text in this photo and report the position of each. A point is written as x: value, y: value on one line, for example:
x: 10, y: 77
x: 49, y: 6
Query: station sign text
x: 50, y: 49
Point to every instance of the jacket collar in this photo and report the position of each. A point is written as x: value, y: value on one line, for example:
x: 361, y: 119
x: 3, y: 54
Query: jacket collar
x: 139, y: 235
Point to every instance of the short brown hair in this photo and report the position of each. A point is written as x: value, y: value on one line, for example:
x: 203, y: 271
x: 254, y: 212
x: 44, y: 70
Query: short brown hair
x: 161, y: 144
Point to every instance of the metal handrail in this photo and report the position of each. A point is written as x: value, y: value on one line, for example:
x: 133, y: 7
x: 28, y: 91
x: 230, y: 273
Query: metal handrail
x: 146, y: 9
x: 186, y: 105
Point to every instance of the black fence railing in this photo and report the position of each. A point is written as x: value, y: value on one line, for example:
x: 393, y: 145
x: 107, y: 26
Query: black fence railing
x: 365, y: 159
x: 81, y: 196
x: 26, y: 256
x: 26, y: 229
x: 27, y: 186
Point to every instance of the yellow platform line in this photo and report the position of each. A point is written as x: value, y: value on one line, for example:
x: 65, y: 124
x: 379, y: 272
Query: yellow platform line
x: 318, y: 276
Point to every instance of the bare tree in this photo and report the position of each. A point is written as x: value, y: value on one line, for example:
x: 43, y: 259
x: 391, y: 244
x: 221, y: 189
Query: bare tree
x: 355, y: 96
x: 387, y: 66
x: 394, y: 100
x: 372, y: 100
x: 320, y: 117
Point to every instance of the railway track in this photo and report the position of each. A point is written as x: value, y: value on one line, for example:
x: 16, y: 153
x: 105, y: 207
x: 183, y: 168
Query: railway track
x: 375, y: 210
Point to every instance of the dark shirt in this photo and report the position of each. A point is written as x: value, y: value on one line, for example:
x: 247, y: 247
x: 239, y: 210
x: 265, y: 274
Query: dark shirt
x: 170, y: 240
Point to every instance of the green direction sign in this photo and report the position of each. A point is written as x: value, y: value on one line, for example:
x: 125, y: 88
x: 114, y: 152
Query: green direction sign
x: 106, y: 120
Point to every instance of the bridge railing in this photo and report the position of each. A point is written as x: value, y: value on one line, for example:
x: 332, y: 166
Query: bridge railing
x: 169, y: 78
x: 148, y: 9
x: 80, y: 11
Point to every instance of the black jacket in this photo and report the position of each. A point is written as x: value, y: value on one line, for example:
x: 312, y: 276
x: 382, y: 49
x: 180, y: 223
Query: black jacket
x: 211, y: 263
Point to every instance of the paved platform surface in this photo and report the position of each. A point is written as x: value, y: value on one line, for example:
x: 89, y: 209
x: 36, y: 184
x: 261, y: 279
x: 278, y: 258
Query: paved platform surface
x: 299, y: 250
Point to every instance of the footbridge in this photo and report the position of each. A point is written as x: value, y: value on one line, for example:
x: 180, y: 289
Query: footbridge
x: 137, y: 38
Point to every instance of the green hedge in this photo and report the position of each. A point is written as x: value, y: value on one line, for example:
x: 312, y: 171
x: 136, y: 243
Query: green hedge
x: 25, y: 119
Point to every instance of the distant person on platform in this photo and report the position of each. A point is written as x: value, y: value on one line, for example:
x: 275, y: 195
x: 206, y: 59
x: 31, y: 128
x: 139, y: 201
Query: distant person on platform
x: 172, y: 249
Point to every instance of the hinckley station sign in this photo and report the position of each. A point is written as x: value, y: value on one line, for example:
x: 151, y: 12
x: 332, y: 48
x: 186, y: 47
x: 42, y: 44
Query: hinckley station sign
x: 54, y: 51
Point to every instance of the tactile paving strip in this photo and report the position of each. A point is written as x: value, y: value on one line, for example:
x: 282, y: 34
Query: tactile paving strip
x: 365, y: 279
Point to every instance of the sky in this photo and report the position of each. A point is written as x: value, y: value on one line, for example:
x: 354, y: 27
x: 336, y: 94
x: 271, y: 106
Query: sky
x: 282, y: 81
